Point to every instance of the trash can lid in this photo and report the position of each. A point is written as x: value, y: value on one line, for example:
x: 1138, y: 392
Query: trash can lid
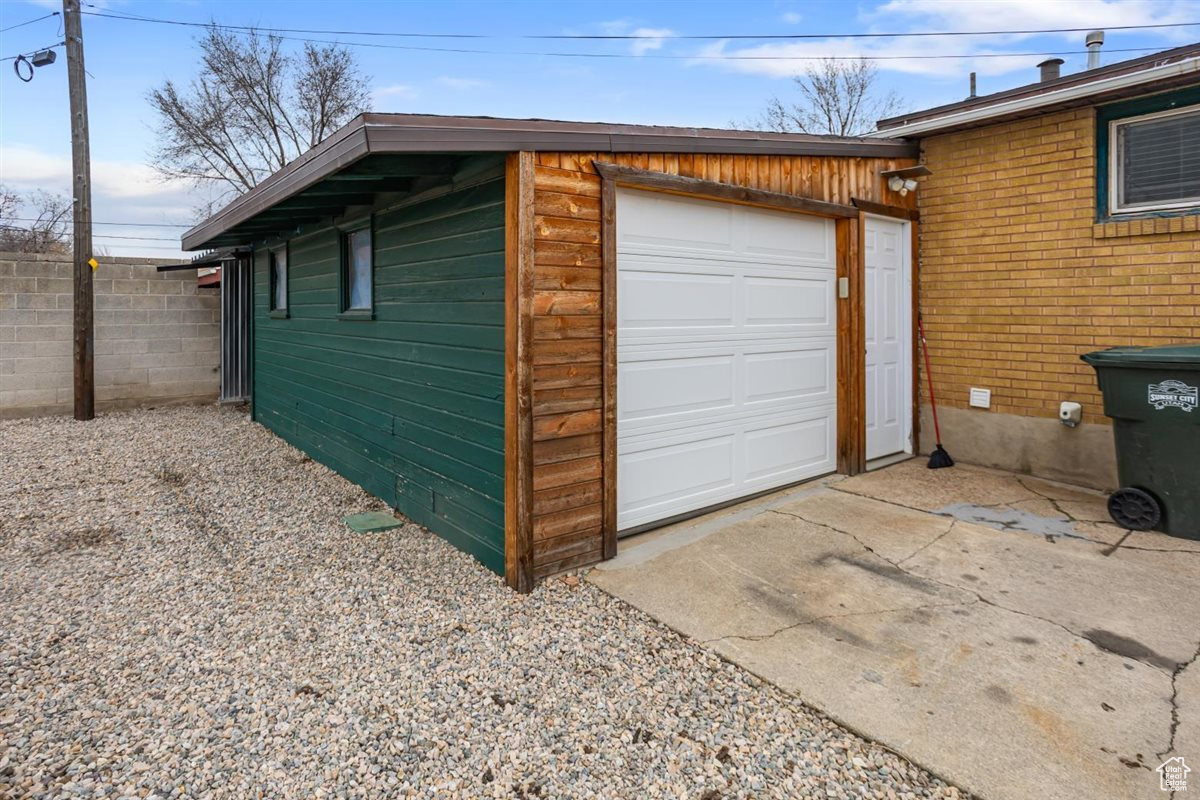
x: 1169, y: 355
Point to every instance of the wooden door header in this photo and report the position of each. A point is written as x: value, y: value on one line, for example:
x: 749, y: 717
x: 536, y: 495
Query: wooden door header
x: 678, y: 184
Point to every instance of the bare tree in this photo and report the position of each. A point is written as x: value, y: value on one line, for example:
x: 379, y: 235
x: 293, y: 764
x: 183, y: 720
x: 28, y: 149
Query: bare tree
x: 34, y: 223
x: 836, y: 97
x: 252, y: 109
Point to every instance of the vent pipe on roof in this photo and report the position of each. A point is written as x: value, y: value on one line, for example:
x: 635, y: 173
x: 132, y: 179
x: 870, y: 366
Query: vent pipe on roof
x: 1050, y: 68
x: 1095, y: 40
x: 972, y: 94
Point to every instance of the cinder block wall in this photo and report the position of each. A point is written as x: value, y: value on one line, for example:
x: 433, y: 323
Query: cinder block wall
x: 157, y: 337
x: 1017, y: 280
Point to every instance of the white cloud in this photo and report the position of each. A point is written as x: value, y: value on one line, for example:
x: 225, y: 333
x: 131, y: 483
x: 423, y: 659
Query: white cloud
x: 462, y: 84
x: 1031, y: 14
x: 393, y: 98
x: 652, y: 40
x: 396, y: 90
x: 649, y: 38
x: 792, y: 17
x: 616, y: 27
x: 29, y: 168
x: 986, y: 55
x: 122, y: 191
x: 784, y: 60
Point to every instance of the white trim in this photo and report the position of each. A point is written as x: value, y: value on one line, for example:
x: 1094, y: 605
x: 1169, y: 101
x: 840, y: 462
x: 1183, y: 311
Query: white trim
x: 1145, y: 76
x: 907, y: 326
x: 1114, y: 165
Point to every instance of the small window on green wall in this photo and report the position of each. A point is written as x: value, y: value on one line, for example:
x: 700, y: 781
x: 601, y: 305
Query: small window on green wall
x: 279, y: 279
x: 357, y: 271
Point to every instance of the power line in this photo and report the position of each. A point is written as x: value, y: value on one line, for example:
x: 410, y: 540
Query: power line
x: 136, y: 238
x: 654, y: 56
x: 634, y: 36
x: 30, y: 22
x: 28, y: 53
x: 122, y: 224
x: 112, y: 236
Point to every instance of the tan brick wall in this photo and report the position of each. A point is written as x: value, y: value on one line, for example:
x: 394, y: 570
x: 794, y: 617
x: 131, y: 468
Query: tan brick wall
x: 157, y: 337
x: 1017, y: 279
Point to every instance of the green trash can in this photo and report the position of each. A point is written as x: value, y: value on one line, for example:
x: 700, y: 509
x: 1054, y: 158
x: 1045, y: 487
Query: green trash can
x: 1153, y: 397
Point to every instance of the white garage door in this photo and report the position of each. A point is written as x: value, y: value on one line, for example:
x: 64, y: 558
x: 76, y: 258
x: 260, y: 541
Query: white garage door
x: 726, y: 336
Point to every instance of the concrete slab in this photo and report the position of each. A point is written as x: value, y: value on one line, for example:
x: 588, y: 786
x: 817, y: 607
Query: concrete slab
x: 1036, y: 658
x: 1142, y: 605
x: 1186, y: 741
x: 960, y: 691
x: 755, y: 577
x: 985, y: 495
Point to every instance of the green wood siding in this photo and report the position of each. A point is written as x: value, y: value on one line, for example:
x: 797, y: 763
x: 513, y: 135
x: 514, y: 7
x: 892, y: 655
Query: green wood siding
x: 410, y: 404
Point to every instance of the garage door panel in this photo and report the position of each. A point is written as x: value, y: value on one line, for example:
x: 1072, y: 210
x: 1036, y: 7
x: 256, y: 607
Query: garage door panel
x: 666, y: 478
x: 801, y: 301
x: 659, y: 387
x: 648, y: 301
x: 796, y: 238
x: 788, y: 451
x: 665, y: 386
x: 789, y: 375
x: 658, y: 222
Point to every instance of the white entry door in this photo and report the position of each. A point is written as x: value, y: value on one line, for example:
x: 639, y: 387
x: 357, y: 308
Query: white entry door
x: 889, y: 337
x: 726, y: 368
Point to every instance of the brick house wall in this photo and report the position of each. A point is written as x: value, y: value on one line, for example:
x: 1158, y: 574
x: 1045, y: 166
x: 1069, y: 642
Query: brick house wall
x: 1017, y: 279
x: 157, y: 335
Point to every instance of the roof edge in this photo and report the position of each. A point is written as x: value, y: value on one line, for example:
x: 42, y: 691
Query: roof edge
x: 373, y: 133
x: 985, y: 112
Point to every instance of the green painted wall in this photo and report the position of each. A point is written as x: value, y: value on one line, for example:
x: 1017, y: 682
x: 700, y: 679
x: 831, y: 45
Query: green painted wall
x: 410, y: 404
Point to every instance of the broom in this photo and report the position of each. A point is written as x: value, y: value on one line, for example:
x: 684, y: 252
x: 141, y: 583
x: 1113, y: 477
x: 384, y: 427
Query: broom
x: 939, y: 458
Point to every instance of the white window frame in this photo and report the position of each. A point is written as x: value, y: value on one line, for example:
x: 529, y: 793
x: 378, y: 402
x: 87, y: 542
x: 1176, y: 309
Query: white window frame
x: 281, y: 250
x: 1115, y: 173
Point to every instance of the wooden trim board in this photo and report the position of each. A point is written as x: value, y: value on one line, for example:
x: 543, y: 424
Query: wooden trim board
x: 608, y: 326
x: 716, y: 190
x: 851, y: 354
x: 518, y: 372
x: 883, y: 210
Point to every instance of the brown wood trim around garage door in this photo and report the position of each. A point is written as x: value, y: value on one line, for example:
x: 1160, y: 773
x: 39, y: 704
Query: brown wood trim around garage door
x: 851, y: 432
x: 882, y: 210
x: 518, y: 372
x: 715, y: 190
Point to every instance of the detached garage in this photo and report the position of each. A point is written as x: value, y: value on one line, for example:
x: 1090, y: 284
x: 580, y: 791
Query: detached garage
x: 533, y: 337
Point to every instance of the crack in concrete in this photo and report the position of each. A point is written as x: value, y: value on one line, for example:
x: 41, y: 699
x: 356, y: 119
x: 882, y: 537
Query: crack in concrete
x: 985, y: 600
x: 930, y: 543
x: 824, y: 617
x: 865, y: 496
x: 1053, y: 501
x: 1174, y: 731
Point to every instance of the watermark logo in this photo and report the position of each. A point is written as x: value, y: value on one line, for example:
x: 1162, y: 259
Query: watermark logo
x: 1173, y: 394
x: 1172, y: 775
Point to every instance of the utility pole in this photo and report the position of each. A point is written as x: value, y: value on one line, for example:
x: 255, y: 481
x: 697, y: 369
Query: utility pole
x: 81, y: 169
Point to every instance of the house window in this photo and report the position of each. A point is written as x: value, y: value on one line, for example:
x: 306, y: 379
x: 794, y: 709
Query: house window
x: 1155, y: 161
x: 357, y: 277
x: 279, y: 280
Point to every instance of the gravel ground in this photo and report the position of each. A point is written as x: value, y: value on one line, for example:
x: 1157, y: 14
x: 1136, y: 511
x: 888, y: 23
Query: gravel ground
x: 182, y: 614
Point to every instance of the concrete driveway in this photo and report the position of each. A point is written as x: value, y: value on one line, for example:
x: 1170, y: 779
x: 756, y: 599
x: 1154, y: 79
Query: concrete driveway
x: 991, y: 627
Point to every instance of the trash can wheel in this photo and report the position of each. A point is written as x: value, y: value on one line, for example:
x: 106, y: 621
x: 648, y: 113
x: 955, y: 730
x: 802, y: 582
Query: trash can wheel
x: 1135, y: 509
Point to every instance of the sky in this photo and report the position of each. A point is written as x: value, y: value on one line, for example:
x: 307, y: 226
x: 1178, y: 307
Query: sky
x: 655, y: 80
